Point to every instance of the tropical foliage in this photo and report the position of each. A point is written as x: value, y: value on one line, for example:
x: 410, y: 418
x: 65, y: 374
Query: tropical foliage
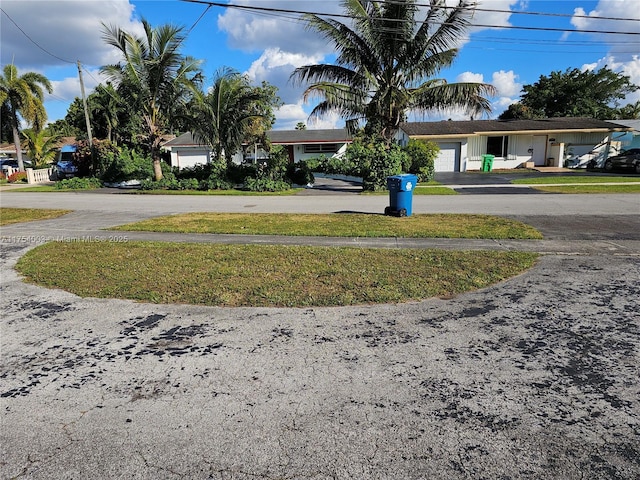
x: 575, y: 93
x: 41, y: 146
x: 233, y: 111
x: 421, y: 157
x: 22, y: 96
x: 158, y: 80
x: 387, y: 62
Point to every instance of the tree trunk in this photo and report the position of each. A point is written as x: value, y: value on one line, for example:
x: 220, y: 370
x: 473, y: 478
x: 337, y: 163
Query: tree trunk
x: 157, y: 169
x: 16, y: 141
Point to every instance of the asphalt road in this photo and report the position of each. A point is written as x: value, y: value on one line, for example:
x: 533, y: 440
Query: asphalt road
x: 534, y: 378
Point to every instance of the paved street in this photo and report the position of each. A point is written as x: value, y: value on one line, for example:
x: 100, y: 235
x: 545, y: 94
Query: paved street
x: 534, y: 378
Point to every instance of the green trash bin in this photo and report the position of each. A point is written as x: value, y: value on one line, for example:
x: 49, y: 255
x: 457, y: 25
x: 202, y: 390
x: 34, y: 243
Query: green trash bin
x: 487, y: 163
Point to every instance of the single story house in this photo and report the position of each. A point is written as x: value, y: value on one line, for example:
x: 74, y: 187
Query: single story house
x: 8, y: 150
x: 513, y: 143
x: 300, y: 144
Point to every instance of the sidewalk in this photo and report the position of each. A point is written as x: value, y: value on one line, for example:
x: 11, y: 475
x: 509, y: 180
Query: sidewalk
x: 91, y: 227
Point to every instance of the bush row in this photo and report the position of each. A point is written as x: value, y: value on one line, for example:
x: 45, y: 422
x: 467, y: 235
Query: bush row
x: 373, y: 159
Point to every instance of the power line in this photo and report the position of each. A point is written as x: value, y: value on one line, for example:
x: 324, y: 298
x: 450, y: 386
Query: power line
x: 523, y: 12
x: 33, y: 41
x: 342, y: 15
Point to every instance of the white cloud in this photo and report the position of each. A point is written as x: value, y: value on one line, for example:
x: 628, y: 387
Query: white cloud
x: 69, y: 88
x: 289, y: 115
x: 507, y: 91
x: 276, y: 66
x: 470, y: 77
x: 252, y: 32
x: 27, y: 23
x: 506, y: 84
x: 600, y: 19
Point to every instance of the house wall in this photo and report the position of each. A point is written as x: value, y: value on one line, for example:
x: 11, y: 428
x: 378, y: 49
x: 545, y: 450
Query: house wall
x: 183, y: 157
x: 299, y: 154
x: 519, y: 146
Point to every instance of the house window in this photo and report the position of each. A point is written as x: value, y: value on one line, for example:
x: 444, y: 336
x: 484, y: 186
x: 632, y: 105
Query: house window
x: 321, y: 148
x: 497, y: 146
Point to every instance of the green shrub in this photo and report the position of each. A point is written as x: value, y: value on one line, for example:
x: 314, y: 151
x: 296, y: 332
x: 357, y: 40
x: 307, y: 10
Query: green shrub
x: 420, y: 159
x: 376, y: 160
x: 315, y: 164
x: 300, y: 173
x: 168, y: 182
x: 198, y: 172
x: 188, y: 184
x: 128, y: 165
x: 277, y: 163
x: 215, y: 183
x: 265, y: 185
x: 78, y: 183
x: 237, y: 173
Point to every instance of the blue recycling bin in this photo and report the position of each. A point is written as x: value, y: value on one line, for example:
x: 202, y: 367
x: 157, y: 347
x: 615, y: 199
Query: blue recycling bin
x: 401, y: 194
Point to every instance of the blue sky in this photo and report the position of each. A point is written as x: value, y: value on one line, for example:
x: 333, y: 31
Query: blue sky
x: 505, y: 48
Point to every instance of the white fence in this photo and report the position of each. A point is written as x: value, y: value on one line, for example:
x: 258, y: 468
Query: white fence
x: 42, y: 175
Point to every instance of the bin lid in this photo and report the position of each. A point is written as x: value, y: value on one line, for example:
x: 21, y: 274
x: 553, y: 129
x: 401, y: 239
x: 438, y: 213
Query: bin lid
x: 405, y: 181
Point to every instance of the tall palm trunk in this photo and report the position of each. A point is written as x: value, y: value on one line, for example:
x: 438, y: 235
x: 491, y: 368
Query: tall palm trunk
x: 16, y: 142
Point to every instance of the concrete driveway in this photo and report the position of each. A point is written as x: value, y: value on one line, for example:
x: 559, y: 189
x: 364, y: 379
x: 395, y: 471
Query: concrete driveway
x: 533, y: 378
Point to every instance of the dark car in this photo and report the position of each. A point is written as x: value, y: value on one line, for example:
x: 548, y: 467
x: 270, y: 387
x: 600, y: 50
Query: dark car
x: 5, y: 163
x: 625, y: 160
x: 64, y: 169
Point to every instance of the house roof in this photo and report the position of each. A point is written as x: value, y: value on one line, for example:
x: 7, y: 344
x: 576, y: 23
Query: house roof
x: 279, y: 137
x: 288, y: 137
x: 484, y: 127
x: 632, y: 124
x: 9, y: 148
x: 184, y: 140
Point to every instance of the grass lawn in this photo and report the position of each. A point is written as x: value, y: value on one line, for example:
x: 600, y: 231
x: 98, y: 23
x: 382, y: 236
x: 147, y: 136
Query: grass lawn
x: 569, y: 179
x: 39, y: 188
x: 265, y: 275
x: 292, y: 191
x: 428, y: 190
x: 586, y: 188
x: 340, y: 225
x: 17, y: 215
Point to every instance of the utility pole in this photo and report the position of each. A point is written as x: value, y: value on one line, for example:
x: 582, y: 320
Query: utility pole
x: 84, y: 103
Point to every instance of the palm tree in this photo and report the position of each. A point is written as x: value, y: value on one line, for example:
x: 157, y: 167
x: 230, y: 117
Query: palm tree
x: 387, y: 62
x: 105, y: 105
x: 155, y: 76
x: 23, y: 96
x: 228, y: 112
x: 41, y: 146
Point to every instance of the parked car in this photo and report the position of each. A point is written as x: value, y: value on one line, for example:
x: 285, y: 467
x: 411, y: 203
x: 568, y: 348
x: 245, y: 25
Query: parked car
x: 64, y: 169
x: 627, y: 159
x: 5, y: 163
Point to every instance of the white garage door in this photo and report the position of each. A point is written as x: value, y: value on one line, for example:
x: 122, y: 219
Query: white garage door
x: 192, y: 157
x: 448, y: 160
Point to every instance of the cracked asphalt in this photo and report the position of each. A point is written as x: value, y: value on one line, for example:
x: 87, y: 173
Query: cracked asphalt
x: 534, y: 378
